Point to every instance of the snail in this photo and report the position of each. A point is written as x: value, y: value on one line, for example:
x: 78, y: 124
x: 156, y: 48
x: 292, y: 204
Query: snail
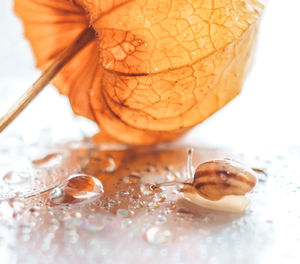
x: 219, y: 185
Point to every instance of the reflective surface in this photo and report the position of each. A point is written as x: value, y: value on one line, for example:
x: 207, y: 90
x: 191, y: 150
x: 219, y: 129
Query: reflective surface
x: 130, y: 222
x: 140, y: 222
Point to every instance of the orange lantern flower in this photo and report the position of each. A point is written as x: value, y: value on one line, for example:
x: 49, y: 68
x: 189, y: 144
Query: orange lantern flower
x: 145, y: 71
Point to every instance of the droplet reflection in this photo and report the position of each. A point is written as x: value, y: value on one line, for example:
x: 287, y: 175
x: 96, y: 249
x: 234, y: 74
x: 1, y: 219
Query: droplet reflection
x: 77, y: 188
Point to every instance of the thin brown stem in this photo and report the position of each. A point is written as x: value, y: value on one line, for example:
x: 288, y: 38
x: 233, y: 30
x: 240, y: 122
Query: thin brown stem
x: 47, y: 76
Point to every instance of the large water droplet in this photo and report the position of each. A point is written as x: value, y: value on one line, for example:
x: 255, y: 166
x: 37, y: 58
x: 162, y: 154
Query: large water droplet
x: 158, y: 236
x: 77, y: 188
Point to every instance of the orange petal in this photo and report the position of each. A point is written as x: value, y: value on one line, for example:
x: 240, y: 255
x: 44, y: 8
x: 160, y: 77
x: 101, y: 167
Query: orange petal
x: 51, y: 26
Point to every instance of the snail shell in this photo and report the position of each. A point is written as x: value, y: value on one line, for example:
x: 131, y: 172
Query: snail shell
x: 221, y: 185
x: 218, y: 178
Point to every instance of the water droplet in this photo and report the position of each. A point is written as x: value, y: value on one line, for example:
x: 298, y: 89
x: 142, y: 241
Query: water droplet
x: 49, y: 160
x: 17, y: 205
x: 35, y: 210
x: 93, y: 223
x: 126, y: 223
x: 122, y: 194
x: 159, y: 197
x: 77, y: 188
x: 70, y: 223
x: 132, y: 179
x: 53, y: 225
x: 135, y: 196
x: 171, y: 177
x: 13, y: 177
x: 56, y: 196
x: 153, y: 205
x: 47, y: 241
x: 112, y: 165
x: 147, y: 189
x: 161, y: 219
x: 25, y: 228
x: 158, y: 236
x: 125, y: 213
x: 71, y: 236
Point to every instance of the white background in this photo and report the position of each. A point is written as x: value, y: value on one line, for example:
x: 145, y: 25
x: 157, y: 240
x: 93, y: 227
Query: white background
x: 266, y: 112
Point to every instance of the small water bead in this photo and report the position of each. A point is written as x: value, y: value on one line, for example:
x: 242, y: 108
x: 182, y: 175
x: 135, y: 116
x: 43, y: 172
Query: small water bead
x: 45, y: 246
x: 13, y: 177
x: 25, y: 228
x: 158, y: 236
x: 16, y: 204
x: 71, y: 223
x: 159, y: 197
x: 122, y: 194
x: 125, y: 213
x: 153, y: 205
x: 132, y: 179
x: 135, y: 196
x: 126, y: 223
x: 35, y: 210
x: 171, y: 177
x: 77, y: 188
x: 50, y: 160
x: 56, y: 196
x: 111, y: 166
x: 149, y: 189
x: 146, y: 189
x: 93, y: 223
x: 71, y: 236
x: 161, y: 219
x: 53, y: 225
x: 218, y: 178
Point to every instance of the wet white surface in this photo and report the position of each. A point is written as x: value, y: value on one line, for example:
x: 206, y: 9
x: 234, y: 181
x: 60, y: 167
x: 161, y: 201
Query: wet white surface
x: 259, y: 128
